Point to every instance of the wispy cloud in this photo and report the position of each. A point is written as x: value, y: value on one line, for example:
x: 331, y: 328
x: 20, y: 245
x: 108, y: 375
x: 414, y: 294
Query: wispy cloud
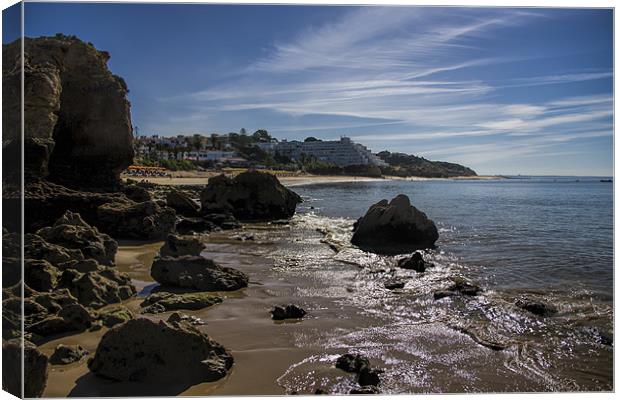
x: 409, y: 69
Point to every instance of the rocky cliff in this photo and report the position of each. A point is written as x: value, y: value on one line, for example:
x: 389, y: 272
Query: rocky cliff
x: 77, y: 124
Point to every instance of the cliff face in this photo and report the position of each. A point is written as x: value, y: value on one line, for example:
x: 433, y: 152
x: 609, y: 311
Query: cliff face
x: 408, y: 165
x: 77, y: 124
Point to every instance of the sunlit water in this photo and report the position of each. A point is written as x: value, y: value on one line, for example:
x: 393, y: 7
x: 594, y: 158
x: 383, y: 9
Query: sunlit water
x: 551, y: 238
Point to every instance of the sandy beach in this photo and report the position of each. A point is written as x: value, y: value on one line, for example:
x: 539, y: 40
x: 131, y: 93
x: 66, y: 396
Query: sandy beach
x: 201, y: 178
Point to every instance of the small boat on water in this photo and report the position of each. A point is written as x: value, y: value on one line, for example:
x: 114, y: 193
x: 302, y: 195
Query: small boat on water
x: 606, y: 180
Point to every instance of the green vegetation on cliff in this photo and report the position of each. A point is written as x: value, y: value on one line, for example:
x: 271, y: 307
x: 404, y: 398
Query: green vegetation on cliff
x: 409, y: 165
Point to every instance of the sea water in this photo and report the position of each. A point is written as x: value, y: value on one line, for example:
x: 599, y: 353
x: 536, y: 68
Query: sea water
x: 547, y: 238
x: 525, y: 232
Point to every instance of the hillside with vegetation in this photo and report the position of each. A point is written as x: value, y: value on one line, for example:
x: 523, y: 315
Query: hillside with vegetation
x: 404, y: 165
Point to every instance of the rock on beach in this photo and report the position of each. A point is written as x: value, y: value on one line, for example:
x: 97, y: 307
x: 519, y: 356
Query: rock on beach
x: 148, y: 351
x: 394, y: 228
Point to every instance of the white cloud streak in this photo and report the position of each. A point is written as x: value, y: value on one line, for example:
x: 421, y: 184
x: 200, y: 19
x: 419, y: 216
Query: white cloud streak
x: 389, y: 65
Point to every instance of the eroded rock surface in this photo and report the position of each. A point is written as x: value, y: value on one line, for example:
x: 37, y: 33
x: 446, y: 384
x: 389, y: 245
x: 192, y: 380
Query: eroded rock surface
x: 164, y: 301
x: 196, y: 272
x: 64, y: 354
x: 182, y: 203
x: 72, y: 232
x: 115, y: 316
x: 177, y: 246
x: 62, y: 285
x: 128, y: 219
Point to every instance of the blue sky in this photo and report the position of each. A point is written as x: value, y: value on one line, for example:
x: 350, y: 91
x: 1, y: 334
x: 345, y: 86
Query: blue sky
x: 498, y: 89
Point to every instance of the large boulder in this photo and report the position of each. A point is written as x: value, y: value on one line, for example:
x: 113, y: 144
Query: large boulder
x: 144, y: 350
x: 196, y: 272
x: 77, y: 123
x: 250, y: 196
x: 394, y: 228
x: 35, y: 368
x: 71, y: 231
x: 128, y: 219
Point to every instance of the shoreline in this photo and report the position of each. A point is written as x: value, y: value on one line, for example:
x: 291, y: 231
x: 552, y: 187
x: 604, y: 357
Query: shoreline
x: 202, y: 178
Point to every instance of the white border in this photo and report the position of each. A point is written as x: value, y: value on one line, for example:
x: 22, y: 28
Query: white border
x: 478, y: 3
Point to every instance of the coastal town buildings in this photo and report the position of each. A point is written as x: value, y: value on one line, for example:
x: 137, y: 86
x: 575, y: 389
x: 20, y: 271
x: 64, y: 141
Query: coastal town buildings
x: 220, y: 148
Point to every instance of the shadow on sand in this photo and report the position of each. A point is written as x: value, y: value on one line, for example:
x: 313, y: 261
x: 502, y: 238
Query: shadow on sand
x: 90, y: 385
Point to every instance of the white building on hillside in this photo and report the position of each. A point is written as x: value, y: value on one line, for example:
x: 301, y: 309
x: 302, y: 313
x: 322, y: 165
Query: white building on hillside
x: 341, y: 152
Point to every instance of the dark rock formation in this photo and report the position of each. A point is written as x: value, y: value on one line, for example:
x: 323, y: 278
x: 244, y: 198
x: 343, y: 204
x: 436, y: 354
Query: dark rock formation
x: 188, y: 226
x: 536, y: 307
x: 45, y: 202
x: 96, y: 289
x: 61, y: 285
x: 71, y: 318
x: 352, y: 363
x: 415, y: 262
x: 196, y: 272
x: 224, y: 221
x: 290, y: 311
x: 77, y: 120
x: 35, y: 247
x: 35, y: 369
x: 143, y: 350
x: 111, y: 213
x: 459, y: 286
x: 70, y: 231
x: 177, y: 246
x: 250, y: 196
x: 366, y: 376
x: 40, y: 275
x: 394, y: 227
x: 182, y: 203
x: 64, y: 354
x: 164, y: 301
x: 394, y: 284
x: 136, y: 193
x: 128, y: 219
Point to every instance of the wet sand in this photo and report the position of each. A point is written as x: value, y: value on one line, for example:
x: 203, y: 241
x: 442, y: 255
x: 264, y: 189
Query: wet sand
x: 404, y: 332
